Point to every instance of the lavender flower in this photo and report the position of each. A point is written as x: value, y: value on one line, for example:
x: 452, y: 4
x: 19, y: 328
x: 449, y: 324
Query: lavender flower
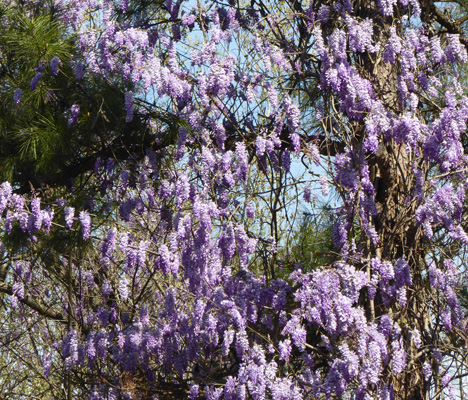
x: 85, y: 220
x: 323, y: 14
x: 446, y: 317
x: 307, y: 193
x: 47, y: 217
x: 393, y: 47
x: 437, y: 54
x: 324, y: 186
x: 46, y: 363
x: 437, y: 355
x: 17, y: 96
x: 337, y: 43
x: 242, y: 162
x: 260, y: 144
x: 285, y: 349
x: 386, y: 6
x: 54, y: 65
x: 123, y: 288
x: 416, y: 338
x: 74, y: 113
x: 108, y: 245
x: 35, y: 81
x: 446, y: 379
x: 193, y: 394
x: 36, y: 215
x: 106, y: 288
x: 79, y: 71
x: 69, y: 216
x: 286, y: 160
x: 250, y: 210
x: 188, y: 20
x: 398, y: 357
x: 427, y: 370
x: 18, y: 290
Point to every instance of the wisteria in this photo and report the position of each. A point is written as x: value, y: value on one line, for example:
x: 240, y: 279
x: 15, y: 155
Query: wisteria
x: 171, y: 268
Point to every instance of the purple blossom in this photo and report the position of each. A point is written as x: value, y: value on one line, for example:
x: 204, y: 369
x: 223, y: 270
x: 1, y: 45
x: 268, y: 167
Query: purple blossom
x: 70, y: 349
x: 35, y: 81
x: 90, y: 347
x: 85, y: 220
x: 188, y: 20
x: 188, y: 214
x: 242, y: 344
x: 229, y: 388
x: 285, y: 349
x: 437, y: 355
x: 193, y: 394
x: 18, y: 290
x: 324, y: 186
x: 455, y: 49
x: 54, y: 65
x: 293, y: 114
x: 47, y: 218
x: 123, y: 288
x: 213, y: 393
x: 337, y: 43
x: 46, y: 363
x: 108, y: 244
x: 69, y: 216
x: 5, y: 196
x: 416, y: 336
x: 427, y: 370
x: 323, y: 14
x: 340, y: 233
x: 393, y: 47
x: 79, y: 71
x: 260, y: 144
x: 398, y: 357
x: 242, y: 162
x: 102, y: 343
x: 360, y: 35
x: 228, y: 339
x: 106, y: 288
x: 141, y: 254
x: 446, y: 379
x: 314, y: 153
x: 446, y: 318
x: 416, y: 7
x: 250, y: 210
x: 17, y: 96
x: 272, y: 95
x: 36, y: 214
x: 299, y: 337
x: 307, y: 193
x: 74, y: 113
x: 286, y: 160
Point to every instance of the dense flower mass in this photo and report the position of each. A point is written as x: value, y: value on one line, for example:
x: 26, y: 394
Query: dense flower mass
x: 168, y: 268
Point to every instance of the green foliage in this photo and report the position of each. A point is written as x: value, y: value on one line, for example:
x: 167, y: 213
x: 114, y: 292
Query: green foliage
x: 312, y: 242
x: 39, y: 145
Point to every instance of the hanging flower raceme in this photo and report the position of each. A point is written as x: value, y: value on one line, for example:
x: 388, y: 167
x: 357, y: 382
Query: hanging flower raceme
x: 184, y: 285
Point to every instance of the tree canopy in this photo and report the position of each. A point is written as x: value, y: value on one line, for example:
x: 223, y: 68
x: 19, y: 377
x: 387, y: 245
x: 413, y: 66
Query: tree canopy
x: 233, y: 200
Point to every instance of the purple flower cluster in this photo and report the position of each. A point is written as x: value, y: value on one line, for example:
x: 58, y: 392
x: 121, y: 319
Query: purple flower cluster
x: 54, y: 65
x: 85, y: 220
x: 17, y: 96
x: 185, y: 287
